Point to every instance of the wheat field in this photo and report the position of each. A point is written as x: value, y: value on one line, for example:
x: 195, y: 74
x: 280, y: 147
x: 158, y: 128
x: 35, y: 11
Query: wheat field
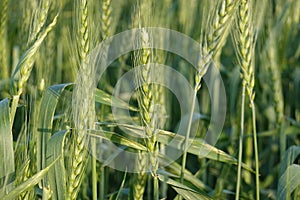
x: 149, y: 99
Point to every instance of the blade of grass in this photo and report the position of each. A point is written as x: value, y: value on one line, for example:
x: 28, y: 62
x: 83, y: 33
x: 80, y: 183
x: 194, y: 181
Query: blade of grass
x: 122, y: 186
x: 107, y: 99
x: 289, y: 157
x: 184, y: 191
x: 7, y: 165
x: 28, y: 183
x: 197, y: 146
x: 45, y: 120
x: 57, y: 174
x: 288, y: 182
x: 114, y: 137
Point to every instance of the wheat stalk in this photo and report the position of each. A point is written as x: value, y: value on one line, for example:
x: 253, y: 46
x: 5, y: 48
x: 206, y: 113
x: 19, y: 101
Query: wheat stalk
x: 83, y: 112
x: 142, y: 58
x: 213, y: 40
x: 245, y: 46
x: 144, y: 100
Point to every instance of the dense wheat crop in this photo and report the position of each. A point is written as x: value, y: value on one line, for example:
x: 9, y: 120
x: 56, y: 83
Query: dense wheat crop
x: 149, y: 99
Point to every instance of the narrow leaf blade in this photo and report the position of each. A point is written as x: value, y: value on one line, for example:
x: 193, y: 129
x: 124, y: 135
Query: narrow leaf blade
x: 7, y: 165
x: 57, y: 174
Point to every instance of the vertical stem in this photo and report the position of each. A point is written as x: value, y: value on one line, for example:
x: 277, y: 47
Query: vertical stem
x: 238, y: 184
x: 248, y: 153
x: 94, y: 170
x: 156, y: 188
x: 187, y: 137
x: 255, y: 150
x: 102, y: 183
x: 282, y: 139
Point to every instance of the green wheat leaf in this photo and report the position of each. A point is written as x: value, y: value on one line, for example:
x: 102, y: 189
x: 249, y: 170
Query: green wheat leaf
x: 7, y: 165
x: 57, y: 174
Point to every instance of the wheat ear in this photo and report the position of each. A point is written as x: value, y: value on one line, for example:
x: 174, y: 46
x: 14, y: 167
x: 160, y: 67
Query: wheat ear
x: 83, y: 104
x: 218, y: 30
x: 144, y: 101
x: 26, y: 62
x: 106, y: 19
x: 245, y: 46
x: 213, y: 40
x: 40, y: 20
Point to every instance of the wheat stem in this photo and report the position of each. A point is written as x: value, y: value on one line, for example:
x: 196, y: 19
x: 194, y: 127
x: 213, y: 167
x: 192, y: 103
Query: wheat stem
x: 218, y: 30
x: 245, y: 48
x: 255, y: 150
x: 238, y: 185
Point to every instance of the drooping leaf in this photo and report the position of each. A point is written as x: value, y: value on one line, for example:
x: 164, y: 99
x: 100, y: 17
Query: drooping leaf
x: 290, y: 155
x: 175, y: 168
x: 183, y: 190
x: 45, y: 120
x: 57, y: 174
x: 117, y: 138
x: 7, y: 165
x: 288, y: 181
x: 28, y: 184
x: 107, y: 99
x: 197, y: 146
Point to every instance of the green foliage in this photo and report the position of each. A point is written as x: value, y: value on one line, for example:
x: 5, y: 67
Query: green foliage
x: 52, y: 105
